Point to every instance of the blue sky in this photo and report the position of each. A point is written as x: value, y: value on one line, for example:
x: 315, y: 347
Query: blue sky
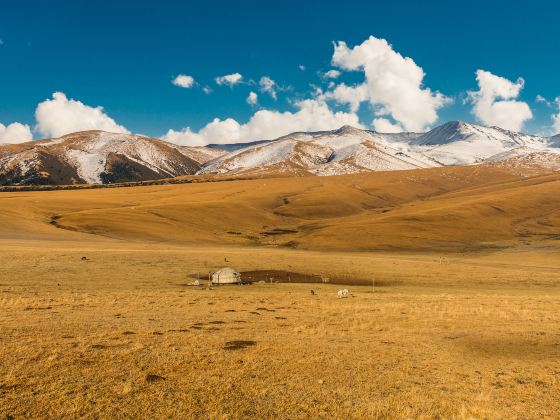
x: 123, y: 55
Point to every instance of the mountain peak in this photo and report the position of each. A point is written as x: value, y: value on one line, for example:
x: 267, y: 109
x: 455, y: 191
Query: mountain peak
x: 457, y: 125
x: 98, y: 157
x: 346, y: 129
x: 462, y: 143
x: 446, y: 133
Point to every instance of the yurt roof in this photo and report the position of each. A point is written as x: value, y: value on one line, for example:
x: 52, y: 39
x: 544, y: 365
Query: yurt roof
x: 226, y: 270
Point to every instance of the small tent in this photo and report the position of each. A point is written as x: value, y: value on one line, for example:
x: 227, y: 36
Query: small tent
x: 226, y: 275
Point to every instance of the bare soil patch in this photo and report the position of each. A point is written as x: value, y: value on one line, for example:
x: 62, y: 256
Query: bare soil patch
x: 239, y: 344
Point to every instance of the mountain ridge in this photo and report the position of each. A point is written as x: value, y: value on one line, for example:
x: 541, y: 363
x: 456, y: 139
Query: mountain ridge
x: 349, y: 150
x: 92, y: 157
x: 100, y: 157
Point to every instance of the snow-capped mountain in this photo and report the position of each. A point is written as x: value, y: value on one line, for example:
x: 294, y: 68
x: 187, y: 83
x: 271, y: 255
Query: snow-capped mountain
x: 350, y: 150
x: 461, y: 143
x: 100, y: 157
x: 95, y: 157
x: 342, y: 151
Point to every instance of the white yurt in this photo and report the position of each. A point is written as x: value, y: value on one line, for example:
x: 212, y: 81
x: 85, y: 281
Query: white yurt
x: 226, y: 275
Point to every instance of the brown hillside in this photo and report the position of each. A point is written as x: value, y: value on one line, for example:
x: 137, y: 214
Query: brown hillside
x: 453, y: 208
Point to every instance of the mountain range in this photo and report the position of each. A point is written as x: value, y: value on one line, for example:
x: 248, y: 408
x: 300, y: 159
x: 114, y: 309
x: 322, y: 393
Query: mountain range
x: 93, y: 157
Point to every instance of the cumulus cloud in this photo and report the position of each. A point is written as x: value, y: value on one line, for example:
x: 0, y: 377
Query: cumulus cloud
x: 383, y: 125
x: 556, y: 118
x: 331, y: 74
x: 59, y: 116
x: 267, y: 85
x: 207, y: 90
x: 184, y: 81
x: 351, y: 95
x: 252, y: 99
x: 394, y: 83
x: 494, y: 104
x: 15, y: 133
x: 311, y: 115
x: 301, y: 67
x: 229, y: 79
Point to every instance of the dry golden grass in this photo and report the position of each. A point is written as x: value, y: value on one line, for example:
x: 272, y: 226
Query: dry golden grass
x: 463, y: 322
x: 445, y: 209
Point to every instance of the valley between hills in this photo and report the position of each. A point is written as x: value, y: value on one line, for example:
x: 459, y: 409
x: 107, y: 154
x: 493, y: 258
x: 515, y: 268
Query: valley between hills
x: 453, y: 274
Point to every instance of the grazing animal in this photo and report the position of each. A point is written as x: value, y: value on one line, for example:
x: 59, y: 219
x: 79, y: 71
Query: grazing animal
x: 342, y: 293
x: 312, y: 292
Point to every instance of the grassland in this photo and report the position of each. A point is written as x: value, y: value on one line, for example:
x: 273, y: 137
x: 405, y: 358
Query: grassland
x: 463, y: 322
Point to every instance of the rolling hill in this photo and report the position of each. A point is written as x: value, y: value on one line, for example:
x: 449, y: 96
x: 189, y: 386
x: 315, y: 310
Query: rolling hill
x: 444, y: 209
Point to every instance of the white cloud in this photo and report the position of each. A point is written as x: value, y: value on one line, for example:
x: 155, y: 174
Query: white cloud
x: 541, y: 99
x: 332, y: 74
x: 316, y: 91
x: 493, y: 104
x: 60, y: 115
x: 301, y: 67
x: 394, y: 83
x: 15, y: 133
x: 351, y: 95
x: 252, y: 99
x: 207, y: 90
x: 229, y: 79
x: 311, y: 115
x: 184, y: 81
x: 383, y: 125
x: 267, y: 85
x: 556, y: 118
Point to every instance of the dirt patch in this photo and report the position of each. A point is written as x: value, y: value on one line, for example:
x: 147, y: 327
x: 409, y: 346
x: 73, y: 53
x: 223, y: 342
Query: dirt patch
x: 513, y: 348
x: 239, y: 344
x: 273, y: 232
x: 150, y: 378
x: 99, y: 346
x: 280, y: 276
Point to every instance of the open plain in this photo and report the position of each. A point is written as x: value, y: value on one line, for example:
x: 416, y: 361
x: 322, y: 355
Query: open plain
x: 454, y: 307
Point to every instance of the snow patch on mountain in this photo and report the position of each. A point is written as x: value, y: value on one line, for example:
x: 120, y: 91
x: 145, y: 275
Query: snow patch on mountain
x: 460, y: 143
x: 342, y: 151
x: 96, y: 156
x: 86, y: 154
x: 89, y: 166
